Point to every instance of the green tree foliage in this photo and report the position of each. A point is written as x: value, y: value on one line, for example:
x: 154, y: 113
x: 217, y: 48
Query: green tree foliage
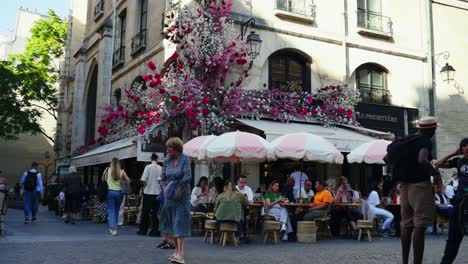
x: 31, y: 78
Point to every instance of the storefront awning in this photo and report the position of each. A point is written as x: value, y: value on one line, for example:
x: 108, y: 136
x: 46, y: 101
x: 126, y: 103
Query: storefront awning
x: 344, y: 139
x: 122, y: 149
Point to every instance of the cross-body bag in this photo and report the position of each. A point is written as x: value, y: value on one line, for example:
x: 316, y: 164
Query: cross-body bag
x: 103, y: 188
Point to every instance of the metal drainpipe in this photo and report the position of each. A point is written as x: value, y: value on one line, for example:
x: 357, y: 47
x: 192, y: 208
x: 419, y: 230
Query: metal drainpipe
x: 433, y: 85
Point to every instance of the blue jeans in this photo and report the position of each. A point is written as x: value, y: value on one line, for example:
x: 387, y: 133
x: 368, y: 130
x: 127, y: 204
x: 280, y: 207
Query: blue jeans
x: 114, y: 200
x: 30, y: 203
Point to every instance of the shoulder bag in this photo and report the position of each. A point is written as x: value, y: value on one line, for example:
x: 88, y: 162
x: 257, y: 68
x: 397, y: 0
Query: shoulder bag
x: 103, y: 188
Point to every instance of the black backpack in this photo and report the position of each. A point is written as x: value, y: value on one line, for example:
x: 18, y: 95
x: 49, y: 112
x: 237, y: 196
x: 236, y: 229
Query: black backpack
x: 398, y: 157
x: 30, y: 182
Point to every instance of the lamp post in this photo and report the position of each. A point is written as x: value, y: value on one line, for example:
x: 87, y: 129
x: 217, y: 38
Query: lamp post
x: 253, y: 41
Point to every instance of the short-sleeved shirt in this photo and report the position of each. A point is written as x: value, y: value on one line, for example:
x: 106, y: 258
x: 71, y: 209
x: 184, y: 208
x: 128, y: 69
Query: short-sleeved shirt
x: 150, y: 176
x: 272, y: 196
x: 373, y: 199
x: 414, y: 173
x: 462, y: 168
x: 323, y: 197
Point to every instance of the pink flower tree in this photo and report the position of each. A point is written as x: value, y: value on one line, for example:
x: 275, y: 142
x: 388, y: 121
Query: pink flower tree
x: 202, y: 86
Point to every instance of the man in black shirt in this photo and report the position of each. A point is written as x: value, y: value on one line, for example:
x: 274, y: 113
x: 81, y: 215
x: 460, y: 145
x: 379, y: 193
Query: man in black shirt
x: 417, y: 197
x: 456, y: 224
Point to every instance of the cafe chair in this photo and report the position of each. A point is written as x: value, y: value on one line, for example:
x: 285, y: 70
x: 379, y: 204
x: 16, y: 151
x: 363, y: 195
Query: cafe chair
x: 210, y: 230
x: 228, y: 232
x: 197, y: 219
x: 323, y: 224
x: 366, y: 226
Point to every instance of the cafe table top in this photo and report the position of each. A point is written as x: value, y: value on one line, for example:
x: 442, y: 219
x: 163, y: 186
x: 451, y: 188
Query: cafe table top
x: 347, y: 204
x: 295, y: 204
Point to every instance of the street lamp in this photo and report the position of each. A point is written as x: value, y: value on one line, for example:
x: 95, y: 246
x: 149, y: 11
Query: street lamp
x: 447, y: 73
x: 254, y: 42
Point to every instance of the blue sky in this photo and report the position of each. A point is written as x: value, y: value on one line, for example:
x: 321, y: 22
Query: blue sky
x: 9, y: 7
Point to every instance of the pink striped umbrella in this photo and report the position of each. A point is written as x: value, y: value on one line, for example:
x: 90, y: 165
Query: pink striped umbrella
x: 196, y: 147
x: 306, y: 146
x: 239, y: 146
x: 371, y: 152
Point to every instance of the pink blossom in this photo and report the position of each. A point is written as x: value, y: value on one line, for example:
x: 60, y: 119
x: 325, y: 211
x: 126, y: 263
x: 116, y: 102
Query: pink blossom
x: 205, y: 100
x: 147, y: 77
x: 148, y: 121
x: 151, y: 65
x: 174, y: 98
x: 205, y: 111
x: 175, y: 55
x: 162, y: 90
x: 142, y: 129
x: 349, y: 113
x: 136, y: 99
x: 340, y: 110
x: 241, y: 61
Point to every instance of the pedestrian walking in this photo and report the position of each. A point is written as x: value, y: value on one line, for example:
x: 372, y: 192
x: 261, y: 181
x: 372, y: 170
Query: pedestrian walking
x: 114, y: 175
x: 73, y: 195
x: 457, y: 223
x: 151, y: 192
x: 175, y: 215
x: 409, y: 160
x: 32, y: 189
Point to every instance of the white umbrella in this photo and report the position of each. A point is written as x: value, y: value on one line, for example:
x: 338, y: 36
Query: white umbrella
x: 371, y: 152
x: 306, y: 146
x: 196, y: 147
x: 239, y: 146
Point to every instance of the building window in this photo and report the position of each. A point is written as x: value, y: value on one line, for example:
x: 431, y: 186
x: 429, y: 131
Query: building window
x: 371, y: 80
x: 289, y: 72
x: 139, y: 40
x: 302, y: 10
x: 91, y: 97
x: 119, y: 52
x: 370, y: 17
x: 99, y: 9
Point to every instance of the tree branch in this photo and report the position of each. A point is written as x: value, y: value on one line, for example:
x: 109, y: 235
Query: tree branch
x: 45, y: 135
x: 47, y: 110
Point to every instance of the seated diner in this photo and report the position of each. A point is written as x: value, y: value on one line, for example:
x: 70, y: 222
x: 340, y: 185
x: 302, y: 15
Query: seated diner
x: 322, y: 200
x: 273, y: 207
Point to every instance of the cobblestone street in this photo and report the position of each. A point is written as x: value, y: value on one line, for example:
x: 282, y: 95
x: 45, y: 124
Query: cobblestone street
x: 50, y: 241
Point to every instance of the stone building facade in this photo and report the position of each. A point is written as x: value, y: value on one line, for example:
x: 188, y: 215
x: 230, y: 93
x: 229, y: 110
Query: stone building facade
x: 383, y: 48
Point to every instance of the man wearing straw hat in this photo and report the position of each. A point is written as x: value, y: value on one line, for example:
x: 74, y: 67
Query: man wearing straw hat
x: 417, y: 198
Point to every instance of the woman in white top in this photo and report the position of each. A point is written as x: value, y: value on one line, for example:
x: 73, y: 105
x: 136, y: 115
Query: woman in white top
x: 199, y: 196
x: 374, y: 201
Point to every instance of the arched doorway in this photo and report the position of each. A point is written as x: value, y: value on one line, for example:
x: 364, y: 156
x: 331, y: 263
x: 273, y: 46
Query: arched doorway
x: 91, y: 106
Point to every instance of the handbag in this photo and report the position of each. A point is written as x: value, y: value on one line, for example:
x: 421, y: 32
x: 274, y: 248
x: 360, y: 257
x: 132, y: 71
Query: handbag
x: 174, y: 190
x: 103, y: 188
x: 125, y: 185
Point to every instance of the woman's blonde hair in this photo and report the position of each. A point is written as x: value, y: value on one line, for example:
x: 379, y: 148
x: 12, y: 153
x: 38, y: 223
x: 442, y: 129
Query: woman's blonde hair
x: 270, y: 187
x: 114, y: 169
x: 228, y: 190
x: 175, y: 143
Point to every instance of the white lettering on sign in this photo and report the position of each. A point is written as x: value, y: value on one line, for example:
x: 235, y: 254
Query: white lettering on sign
x: 385, y: 118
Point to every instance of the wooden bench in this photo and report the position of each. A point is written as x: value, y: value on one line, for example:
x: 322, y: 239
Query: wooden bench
x: 365, y: 225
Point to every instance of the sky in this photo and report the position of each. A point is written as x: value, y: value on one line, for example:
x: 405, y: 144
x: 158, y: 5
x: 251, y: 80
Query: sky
x: 9, y: 7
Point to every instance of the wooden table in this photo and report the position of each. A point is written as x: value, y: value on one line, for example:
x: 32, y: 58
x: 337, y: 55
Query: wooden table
x: 347, y: 204
x: 295, y: 204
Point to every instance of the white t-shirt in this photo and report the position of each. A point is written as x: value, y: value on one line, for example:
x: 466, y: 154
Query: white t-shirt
x: 298, y: 179
x: 449, y: 191
x: 304, y: 194
x: 150, y: 176
x: 373, y: 199
x: 248, y: 191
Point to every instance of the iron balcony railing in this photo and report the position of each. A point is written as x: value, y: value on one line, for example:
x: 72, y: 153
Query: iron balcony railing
x: 139, y: 41
x: 374, y: 94
x: 301, y: 7
x: 99, y: 9
x: 374, y: 21
x: 119, y: 57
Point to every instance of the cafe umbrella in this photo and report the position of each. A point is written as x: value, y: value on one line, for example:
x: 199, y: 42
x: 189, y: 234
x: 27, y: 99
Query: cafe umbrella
x: 306, y: 147
x: 371, y: 152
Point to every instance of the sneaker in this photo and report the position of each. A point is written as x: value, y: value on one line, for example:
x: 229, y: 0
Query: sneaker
x: 164, y: 242
x: 285, y: 237
x: 114, y: 232
x: 177, y: 259
x: 34, y: 219
x: 168, y: 245
x: 26, y: 221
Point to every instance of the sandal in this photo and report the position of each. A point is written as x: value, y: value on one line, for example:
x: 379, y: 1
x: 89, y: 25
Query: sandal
x: 178, y: 259
x: 164, y: 242
x: 168, y: 245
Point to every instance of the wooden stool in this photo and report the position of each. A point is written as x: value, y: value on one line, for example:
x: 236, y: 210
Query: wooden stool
x: 197, y: 222
x: 306, y: 232
x: 273, y: 228
x: 228, y: 231
x: 210, y: 229
x: 366, y: 225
